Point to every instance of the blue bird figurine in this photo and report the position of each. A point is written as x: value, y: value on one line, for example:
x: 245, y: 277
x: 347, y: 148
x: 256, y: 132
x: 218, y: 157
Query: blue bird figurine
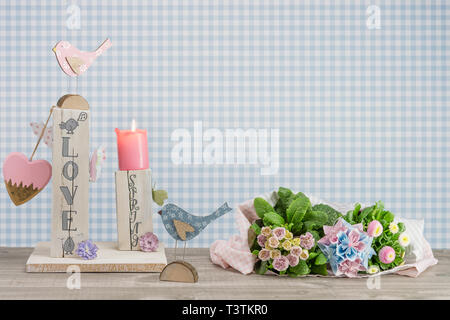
x: 183, y: 226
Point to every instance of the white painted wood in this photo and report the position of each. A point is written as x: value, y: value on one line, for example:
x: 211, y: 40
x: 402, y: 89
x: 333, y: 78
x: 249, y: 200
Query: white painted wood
x: 133, y: 207
x: 70, y: 175
x: 109, y: 259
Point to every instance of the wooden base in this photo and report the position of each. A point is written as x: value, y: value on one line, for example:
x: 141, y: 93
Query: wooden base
x: 179, y: 271
x: 109, y: 259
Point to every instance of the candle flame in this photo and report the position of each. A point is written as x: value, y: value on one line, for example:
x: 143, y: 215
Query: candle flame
x: 133, y: 125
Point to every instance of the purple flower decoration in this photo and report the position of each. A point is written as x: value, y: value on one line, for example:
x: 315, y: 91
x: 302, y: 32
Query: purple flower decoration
x: 293, y: 259
x: 281, y: 263
x: 279, y: 232
x: 87, y: 250
x: 262, y: 240
x: 307, y: 241
x: 149, y: 242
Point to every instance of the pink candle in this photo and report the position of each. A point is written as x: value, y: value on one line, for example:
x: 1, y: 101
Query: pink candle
x: 132, y: 149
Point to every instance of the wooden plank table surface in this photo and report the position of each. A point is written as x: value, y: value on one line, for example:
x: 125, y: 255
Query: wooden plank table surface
x: 214, y: 283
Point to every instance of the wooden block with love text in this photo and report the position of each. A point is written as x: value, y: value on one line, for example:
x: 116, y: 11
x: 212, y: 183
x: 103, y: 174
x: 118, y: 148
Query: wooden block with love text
x: 70, y: 172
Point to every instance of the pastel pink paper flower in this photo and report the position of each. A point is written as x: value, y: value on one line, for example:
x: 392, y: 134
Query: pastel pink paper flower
x: 279, y: 232
x: 293, y: 259
x: 264, y: 255
x: 273, y: 242
x: 386, y: 254
x: 374, y: 229
x: 296, y: 251
x: 307, y: 241
x: 261, y: 240
x: 331, y: 232
x: 354, y: 238
x: 281, y: 263
x: 149, y: 242
x: 351, y: 268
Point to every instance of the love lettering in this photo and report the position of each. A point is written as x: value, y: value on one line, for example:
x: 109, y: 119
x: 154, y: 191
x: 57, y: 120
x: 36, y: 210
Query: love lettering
x: 69, y: 172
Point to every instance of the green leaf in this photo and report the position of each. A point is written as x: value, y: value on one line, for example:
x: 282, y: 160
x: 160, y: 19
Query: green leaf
x: 273, y: 219
x: 349, y: 217
x: 333, y: 215
x: 285, y: 196
x: 261, y: 267
x: 398, y: 260
x: 312, y: 255
x: 388, y: 216
x: 364, y: 213
x: 254, y: 245
x: 159, y: 196
x: 256, y: 228
x: 300, y: 269
x: 255, y: 252
x: 320, y: 269
x: 401, y: 227
x: 315, y: 235
x: 321, y: 259
x: 378, y: 209
x: 297, y: 229
x: 280, y: 211
x: 262, y: 207
x: 356, y: 211
x: 297, y: 209
x: 314, y: 220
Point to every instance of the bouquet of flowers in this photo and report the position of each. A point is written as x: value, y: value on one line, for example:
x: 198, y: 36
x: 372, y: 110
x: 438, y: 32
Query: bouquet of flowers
x: 285, y: 237
x: 296, y: 238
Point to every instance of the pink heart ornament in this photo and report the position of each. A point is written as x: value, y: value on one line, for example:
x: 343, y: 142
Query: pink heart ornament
x: 24, y: 179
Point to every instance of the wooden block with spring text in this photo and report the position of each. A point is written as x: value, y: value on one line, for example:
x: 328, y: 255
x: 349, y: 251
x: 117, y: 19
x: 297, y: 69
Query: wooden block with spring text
x: 133, y: 207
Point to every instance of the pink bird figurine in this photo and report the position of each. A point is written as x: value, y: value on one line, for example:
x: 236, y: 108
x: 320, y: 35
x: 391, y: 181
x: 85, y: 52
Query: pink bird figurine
x: 75, y: 62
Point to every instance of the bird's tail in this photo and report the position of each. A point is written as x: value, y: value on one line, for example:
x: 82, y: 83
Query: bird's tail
x: 103, y: 47
x: 221, y: 211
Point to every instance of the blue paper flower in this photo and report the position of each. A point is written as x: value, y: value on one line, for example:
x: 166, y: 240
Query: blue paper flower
x: 347, y: 247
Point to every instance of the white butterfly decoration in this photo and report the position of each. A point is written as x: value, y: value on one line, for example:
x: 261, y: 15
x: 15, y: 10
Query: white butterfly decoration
x: 96, y: 161
x: 48, y: 134
x: 98, y: 158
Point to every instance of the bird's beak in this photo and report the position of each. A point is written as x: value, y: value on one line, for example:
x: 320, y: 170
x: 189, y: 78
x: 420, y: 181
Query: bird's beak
x: 54, y: 49
x: 160, y: 212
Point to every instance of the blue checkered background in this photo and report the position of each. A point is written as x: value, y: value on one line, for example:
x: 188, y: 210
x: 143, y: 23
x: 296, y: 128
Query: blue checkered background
x: 362, y: 112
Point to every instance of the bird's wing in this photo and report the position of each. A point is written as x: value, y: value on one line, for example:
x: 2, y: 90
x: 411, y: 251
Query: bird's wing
x: 182, y: 228
x: 75, y: 64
